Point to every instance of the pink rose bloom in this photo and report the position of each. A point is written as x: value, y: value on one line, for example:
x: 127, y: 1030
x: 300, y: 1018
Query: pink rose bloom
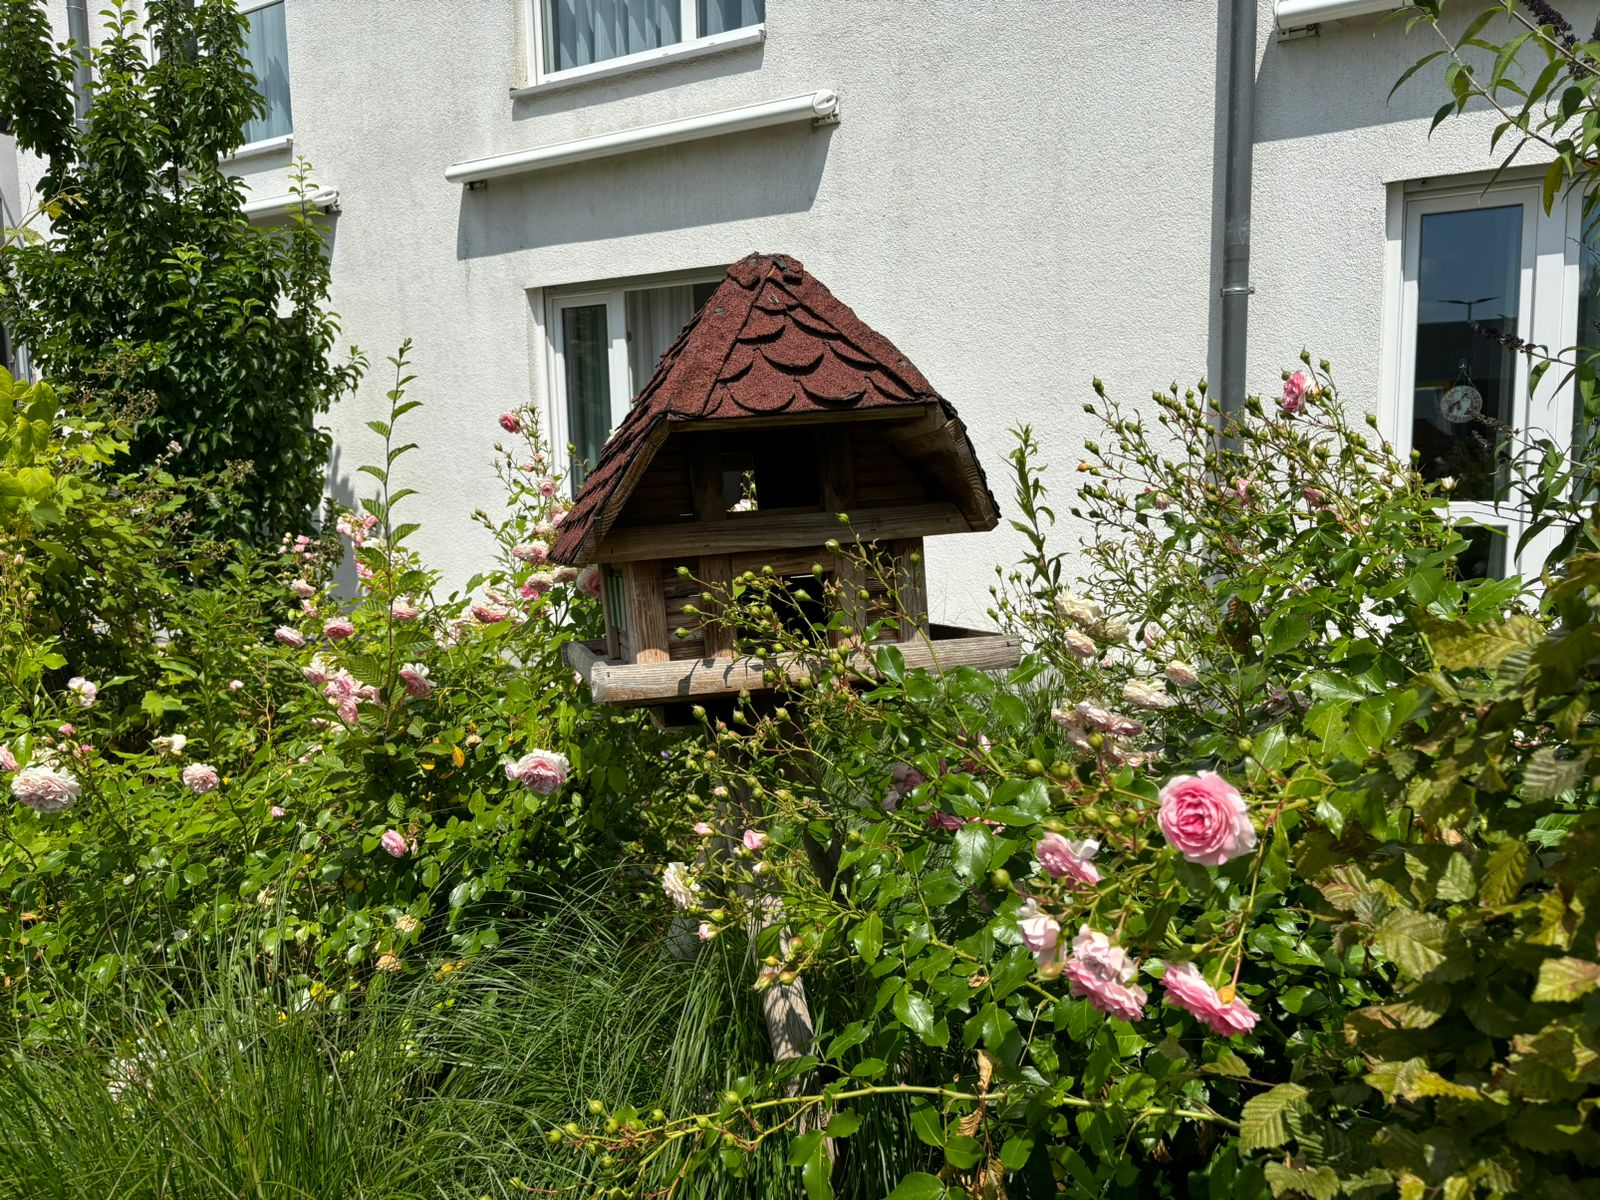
x: 1041, y: 933
x: 302, y: 589
x: 1241, y: 488
x: 1068, y: 860
x: 66, y: 730
x: 943, y: 820
x: 1188, y: 990
x: 83, y: 691
x: 318, y: 672
x: 589, y: 581
x: 201, y: 778
x: 415, y: 677
x: 904, y: 779
x: 1102, y: 972
x: 705, y: 933
x: 336, y: 629
x: 489, y: 614
x: 1204, y: 819
x: 394, y: 844
x: 510, y: 422
x: 565, y: 575
x: 289, y: 636
x: 533, y: 553
x: 45, y: 789
x: 403, y: 609
x: 235, y: 685
x: 1294, y: 393
x: 536, y: 585
x: 363, y: 572
x: 558, y: 516
x: 1080, y: 643
x: 8, y: 760
x: 542, y: 771
x: 754, y: 840
x: 702, y: 828
x: 547, y: 487
x: 545, y: 530
x: 276, y: 812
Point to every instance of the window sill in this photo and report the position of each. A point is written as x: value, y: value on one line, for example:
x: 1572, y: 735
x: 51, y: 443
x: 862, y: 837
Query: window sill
x: 717, y: 43
x: 264, y: 146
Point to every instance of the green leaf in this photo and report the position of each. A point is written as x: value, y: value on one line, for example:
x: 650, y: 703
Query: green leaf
x: 1417, y: 943
x: 804, y: 1146
x: 1457, y: 646
x: 918, y: 1185
x: 1016, y: 1151
x: 1317, y: 1183
x: 974, y: 845
x: 1545, y: 776
x: 1263, y: 1124
x: 1503, y: 871
x: 867, y: 938
x: 928, y: 1125
x: 842, y: 1124
x: 1566, y: 979
x: 913, y: 1011
x: 815, y: 1176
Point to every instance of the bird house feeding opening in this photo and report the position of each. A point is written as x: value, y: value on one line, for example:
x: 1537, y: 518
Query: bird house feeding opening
x: 775, y: 413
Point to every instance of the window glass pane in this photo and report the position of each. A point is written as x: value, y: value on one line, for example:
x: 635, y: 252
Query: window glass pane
x: 1469, y: 271
x: 585, y: 350
x: 655, y: 318
x: 1485, y: 556
x: 266, y: 47
x: 1588, y: 341
x: 580, y: 32
x: 719, y: 16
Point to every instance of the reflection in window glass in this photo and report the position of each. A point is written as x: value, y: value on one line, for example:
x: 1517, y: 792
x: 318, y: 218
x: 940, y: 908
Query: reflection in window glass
x: 719, y: 16
x: 655, y: 318
x: 585, y: 347
x: 1469, y: 271
x: 580, y: 32
x: 266, y: 49
x: 1588, y: 341
x: 1485, y: 555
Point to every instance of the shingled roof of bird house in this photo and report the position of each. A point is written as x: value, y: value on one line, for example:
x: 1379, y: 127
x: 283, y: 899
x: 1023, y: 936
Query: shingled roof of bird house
x: 771, y: 341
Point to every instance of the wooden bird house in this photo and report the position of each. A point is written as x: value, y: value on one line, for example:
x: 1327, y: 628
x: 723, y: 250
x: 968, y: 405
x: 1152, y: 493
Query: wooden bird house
x: 776, y: 410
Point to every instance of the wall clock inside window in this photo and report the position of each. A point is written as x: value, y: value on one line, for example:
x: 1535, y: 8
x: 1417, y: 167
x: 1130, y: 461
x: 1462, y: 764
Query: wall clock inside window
x: 1463, y: 401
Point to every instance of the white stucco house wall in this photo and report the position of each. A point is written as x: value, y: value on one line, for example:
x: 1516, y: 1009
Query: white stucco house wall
x: 1022, y: 195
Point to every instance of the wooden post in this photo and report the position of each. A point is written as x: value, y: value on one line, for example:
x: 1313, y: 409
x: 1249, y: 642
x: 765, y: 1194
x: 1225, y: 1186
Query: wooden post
x: 716, y: 571
x: 911, y: 586
x: 647, y: 611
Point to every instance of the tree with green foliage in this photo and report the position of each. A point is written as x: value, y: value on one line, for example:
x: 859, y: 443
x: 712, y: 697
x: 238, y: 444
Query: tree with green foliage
x: 153, y: 297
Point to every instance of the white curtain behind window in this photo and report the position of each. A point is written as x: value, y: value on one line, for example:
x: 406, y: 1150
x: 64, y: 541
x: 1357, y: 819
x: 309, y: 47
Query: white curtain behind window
x: 580, y: 32
x: 655, y: 317
x: 266, y: 46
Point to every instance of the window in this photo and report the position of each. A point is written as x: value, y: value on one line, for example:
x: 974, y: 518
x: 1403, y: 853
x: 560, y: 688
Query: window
x: 1477, y: 263
x: 266, y: 48
x: 604, y: 345
x: 570, y: 35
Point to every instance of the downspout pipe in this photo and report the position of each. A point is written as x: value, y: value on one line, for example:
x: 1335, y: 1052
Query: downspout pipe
x: 1241, y: 136
x: 82, y: 77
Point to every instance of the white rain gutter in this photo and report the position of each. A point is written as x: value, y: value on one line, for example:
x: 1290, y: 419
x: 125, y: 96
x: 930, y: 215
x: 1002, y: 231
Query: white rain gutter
x: 818, y: 107
x: 1301, y: 14
x: 324, y: 200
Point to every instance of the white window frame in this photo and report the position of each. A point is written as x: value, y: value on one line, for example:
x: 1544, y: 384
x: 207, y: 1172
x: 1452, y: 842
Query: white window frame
x: 1548, y: 315
x: 550, y: 329
x: 540, y: 80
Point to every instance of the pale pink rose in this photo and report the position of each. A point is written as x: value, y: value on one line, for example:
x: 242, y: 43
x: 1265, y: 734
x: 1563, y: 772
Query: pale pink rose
x: 545, y: 530
x: 1188, y: 990
x: 415, y: 677
x: 175, y: 447
x: 489, y: 614
x: 276, y: 812
x: 533, y: 553
x: 1079, y: 643
x: 66, y: 730
x: 589, y: 581
x: 1068, y: 860
x: 536, y: 585
x: 289, y: 636
x: 510, y: 422
x: 1241, y: 488
x: 1102, y: 972
x: 8, y: 760
x: 302, y: 589
x: 1041, y: 933
x: 201, y: 778
x: 754, y: 839
x: 679, y: 885
x: 702, y: 828
x: 943, y: 820
x: 1182, y: 674
x: 363, y: 572
x: 547, y: 487
x: 336, y: 629
x: 318, y: 672
x: 1294, y: 393
x: 706, y: 932
x: 558, y: 515
x: 542, y: 771
x: 394, y: 844
x: 403, y: 609
x: 45, y: 789
x: 83, y: 691
x: 1205, y: 819
x: 565, y: 575
x: 235, y: 685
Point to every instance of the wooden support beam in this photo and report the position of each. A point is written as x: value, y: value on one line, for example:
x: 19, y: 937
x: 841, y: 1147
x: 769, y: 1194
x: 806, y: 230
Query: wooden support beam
x: 647, y: 611
x: 911, y: 584
x: 756, y: 531
x: 716, y: 572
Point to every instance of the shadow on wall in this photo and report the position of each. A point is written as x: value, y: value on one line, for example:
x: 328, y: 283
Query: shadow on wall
x: 737, y: 177
x: 341, y: 488
x: 638, y: 83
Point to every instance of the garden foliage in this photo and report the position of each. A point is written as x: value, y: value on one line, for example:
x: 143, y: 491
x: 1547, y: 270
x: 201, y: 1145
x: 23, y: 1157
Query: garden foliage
x: 153, y: 297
